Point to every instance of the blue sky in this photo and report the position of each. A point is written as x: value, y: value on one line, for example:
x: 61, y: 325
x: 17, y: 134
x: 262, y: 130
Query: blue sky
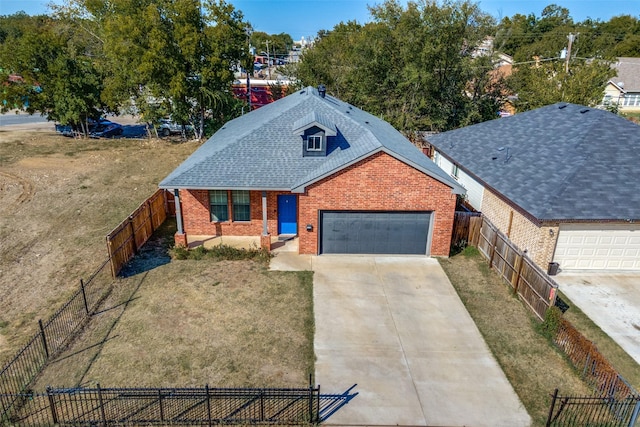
x: 305, y: 17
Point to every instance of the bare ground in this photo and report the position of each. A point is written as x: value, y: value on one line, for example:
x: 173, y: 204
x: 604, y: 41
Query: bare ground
x: 59, y: 197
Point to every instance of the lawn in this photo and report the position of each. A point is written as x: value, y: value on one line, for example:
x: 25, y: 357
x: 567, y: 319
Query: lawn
x: 194, y: 322
x: 59, y: 197
x: 533, y: 366
x: 168, y: 323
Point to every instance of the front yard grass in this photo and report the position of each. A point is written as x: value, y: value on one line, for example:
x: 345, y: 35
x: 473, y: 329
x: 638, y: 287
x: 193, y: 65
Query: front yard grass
x: 531, y: 363
x: 187, y: 323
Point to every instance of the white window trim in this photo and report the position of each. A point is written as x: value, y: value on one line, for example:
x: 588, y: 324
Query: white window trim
x: 309, y: 139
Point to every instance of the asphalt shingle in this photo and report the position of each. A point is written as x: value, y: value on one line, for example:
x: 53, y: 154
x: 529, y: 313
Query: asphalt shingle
x: 565, y: 161
x: 260, y: 151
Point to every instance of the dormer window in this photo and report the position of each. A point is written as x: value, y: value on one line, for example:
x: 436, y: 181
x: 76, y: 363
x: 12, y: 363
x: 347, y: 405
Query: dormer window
x: 314, y: 143
x: 314, y: 130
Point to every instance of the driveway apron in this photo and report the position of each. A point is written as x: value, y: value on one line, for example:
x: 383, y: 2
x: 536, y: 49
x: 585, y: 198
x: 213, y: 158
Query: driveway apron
x: 396, y: 327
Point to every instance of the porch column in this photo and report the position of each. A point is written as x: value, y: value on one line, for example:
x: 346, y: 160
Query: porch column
x: 176, y: 196
x: 265, y: 230
x: 265, y: 239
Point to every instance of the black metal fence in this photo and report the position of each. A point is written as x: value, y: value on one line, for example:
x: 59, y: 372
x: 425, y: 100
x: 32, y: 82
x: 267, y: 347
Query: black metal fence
x: 52, y: 337
x: 569, y: 411
x: 162, y: 406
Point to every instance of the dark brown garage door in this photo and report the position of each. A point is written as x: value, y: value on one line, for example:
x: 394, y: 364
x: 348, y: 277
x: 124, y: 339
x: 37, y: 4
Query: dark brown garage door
x: 349, y: 232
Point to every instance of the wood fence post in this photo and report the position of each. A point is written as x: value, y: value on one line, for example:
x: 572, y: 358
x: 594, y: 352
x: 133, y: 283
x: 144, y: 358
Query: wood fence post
x: 44, y: 338
x: 519, y: 263
x: 153, y: 228
x: 493, y: 247
x: 111, y: 259
x: 132, y: 230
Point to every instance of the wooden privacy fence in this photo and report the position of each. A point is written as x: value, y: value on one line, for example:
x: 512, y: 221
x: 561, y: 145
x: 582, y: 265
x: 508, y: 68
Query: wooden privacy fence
x: 168, y: 406
x: 464, y: 227
x: 124, y: 241
x: 529, y: 282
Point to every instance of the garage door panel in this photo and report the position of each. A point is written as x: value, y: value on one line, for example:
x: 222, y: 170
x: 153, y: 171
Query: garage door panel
x: 598, y: 247
x: 352, y: 232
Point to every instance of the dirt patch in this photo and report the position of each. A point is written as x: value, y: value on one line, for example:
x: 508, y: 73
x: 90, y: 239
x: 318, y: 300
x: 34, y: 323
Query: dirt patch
x: 59, y: 197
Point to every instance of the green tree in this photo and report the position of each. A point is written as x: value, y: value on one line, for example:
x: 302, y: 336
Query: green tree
x: 412, y: 65
x: 56, y: 63
x: 170, y: 56
x: 548, y: 83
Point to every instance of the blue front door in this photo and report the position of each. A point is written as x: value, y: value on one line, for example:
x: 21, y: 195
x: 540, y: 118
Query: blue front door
x: 287, y: 214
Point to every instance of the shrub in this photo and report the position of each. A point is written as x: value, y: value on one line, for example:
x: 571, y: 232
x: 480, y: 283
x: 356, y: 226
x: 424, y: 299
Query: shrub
x: 221, y: 253
x: 552, y: 318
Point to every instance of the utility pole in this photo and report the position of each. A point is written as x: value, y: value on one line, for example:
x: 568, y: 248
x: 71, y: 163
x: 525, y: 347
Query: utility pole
x: 250, y: 54
x: 268, y: 60
x: 571, y: 38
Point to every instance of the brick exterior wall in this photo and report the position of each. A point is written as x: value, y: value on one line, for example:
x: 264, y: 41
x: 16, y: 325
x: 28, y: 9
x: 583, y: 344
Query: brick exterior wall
x: 197, y: 218
x: 536, y: 240
x: 378, y: 183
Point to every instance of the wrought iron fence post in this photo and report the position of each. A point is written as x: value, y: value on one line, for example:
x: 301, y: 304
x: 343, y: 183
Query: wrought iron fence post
x: 84, y: 297
x: 636, y: 413
x: 102, y: 413
x: 316, y: 419
x: 206, y: 389
x: 553, y: 404
x: 52, y: 406
x: 44, y: 338
x: 160, y: 402
x: 261, y: 405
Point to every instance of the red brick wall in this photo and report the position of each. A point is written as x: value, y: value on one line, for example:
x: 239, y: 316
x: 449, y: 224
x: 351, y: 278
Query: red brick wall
x: 197, y: 219
x: 379, y: 182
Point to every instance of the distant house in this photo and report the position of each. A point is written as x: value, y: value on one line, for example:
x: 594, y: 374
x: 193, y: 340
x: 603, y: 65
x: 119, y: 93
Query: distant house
x: 561, y: 181
x: 624, y: 89
x: 312, y: 166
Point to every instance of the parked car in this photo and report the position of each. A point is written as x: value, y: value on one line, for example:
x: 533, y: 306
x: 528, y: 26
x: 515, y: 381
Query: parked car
x: 168, y: 127
x: 101, y: 128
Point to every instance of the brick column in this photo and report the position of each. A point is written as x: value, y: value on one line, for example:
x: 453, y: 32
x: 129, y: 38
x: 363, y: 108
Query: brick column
x: 265, y: 242
x: 180, y: 239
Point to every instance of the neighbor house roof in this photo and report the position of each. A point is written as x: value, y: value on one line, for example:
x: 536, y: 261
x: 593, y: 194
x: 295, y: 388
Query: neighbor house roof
x: 561, y: 162
x: 628, y: 77
x: 262, y: 150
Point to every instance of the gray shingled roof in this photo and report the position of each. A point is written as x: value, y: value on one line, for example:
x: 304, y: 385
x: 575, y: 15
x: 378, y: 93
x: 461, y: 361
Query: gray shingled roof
x: 628, y: 70
x: 259, y: 151
x: 567, y: 162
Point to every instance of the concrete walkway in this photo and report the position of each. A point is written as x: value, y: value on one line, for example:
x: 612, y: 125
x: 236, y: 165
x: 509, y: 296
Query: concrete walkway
x: 611, y: 300
x: 395, y: 327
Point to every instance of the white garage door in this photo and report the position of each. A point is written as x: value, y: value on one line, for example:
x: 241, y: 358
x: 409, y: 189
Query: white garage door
x: 598, y: 247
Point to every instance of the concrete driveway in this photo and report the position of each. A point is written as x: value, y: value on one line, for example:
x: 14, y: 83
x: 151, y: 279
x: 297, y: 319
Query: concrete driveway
x: 395, y: 327
x: 612, y: 301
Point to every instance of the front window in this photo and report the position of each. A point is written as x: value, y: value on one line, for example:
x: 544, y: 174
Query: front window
x: 219, y: 205
x: 314, y: 143
x: 241, y: 205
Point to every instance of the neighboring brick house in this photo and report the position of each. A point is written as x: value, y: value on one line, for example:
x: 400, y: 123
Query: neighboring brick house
x: 315, y: 167
x: 561, y: 181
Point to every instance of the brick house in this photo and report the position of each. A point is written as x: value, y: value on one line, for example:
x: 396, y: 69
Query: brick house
x: 561, y: 182
x: 312, y: 166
